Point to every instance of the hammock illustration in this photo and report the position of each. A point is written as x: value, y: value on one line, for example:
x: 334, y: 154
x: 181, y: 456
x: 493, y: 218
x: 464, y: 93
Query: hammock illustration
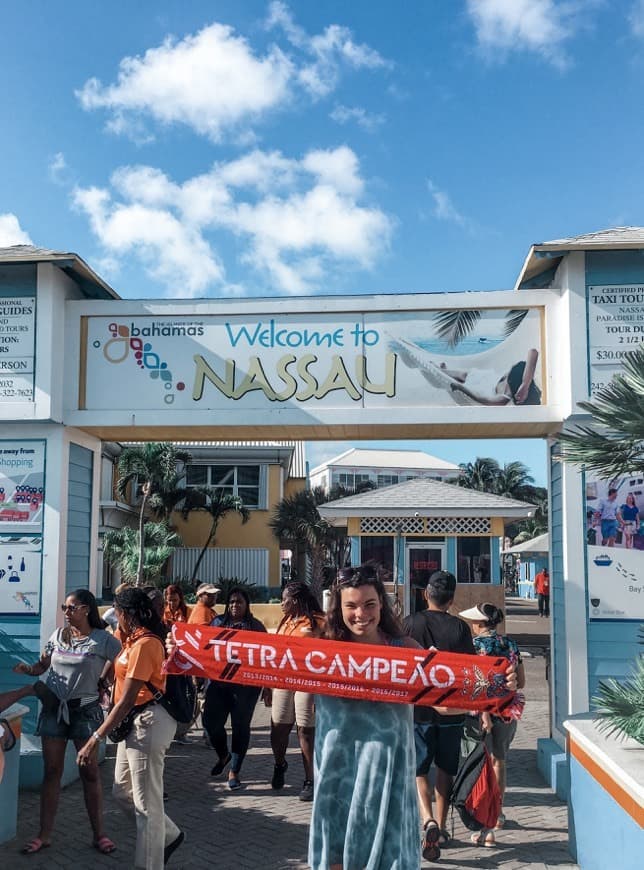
x: 415, y: 357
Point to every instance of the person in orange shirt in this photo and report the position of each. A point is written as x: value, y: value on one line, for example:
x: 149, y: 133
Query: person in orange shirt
x: 542, y: 588
x: 175, y: 608
x: 140, y: 757
x: 203, y: 612
x: 303, y: 617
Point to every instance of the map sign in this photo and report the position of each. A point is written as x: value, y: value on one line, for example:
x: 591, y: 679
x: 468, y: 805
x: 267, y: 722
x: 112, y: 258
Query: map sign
x: 22, y: 486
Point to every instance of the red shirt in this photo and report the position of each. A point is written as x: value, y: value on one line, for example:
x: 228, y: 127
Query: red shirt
x: 542, y: 583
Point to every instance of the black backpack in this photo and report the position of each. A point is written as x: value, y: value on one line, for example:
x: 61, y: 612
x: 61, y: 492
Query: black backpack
x: 180, y: 698
x: 475, y: 792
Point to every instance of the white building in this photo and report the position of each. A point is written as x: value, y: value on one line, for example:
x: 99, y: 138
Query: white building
x: 357, y: 466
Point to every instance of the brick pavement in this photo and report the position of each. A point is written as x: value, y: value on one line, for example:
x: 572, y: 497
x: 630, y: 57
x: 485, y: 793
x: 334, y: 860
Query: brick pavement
x: 256, y: 828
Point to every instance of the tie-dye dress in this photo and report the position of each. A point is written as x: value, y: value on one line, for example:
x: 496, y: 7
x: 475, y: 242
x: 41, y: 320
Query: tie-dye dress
x: 365, y: 812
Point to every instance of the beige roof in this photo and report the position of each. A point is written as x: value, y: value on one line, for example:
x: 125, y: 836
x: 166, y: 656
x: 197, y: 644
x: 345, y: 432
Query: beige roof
x: 90, y: 283
x: 542, y: 256
x: 425, y: 497
x: 358, y: 457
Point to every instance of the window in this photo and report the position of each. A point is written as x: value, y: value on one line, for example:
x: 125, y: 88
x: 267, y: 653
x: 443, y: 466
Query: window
x: 349, y: 480
x: 379, y: 549
x: 473, y: 560
x: 387, y: 479
x: 240, y: 480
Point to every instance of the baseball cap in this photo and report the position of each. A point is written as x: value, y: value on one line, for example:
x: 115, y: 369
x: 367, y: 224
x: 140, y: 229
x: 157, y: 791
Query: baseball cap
x: 207, y: 588
x: 442, y: 581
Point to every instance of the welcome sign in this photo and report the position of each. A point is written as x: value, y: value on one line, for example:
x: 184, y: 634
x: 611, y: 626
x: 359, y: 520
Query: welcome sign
x: 338, y: 360
x: 350, y: 670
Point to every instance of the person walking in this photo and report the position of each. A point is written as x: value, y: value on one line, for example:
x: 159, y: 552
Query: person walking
x: 365, y: 812
x: 78, y: 659
x: 140, y: 758
x: 203, y: 611
x: 499, y: 734
x: 303, y: 617
x: 224, y: 699
x: 438, y: 731
x: 175, y: 608
x: 542, y: 588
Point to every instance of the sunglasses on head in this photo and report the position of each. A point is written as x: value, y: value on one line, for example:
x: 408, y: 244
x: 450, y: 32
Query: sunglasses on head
x: 71, y: 607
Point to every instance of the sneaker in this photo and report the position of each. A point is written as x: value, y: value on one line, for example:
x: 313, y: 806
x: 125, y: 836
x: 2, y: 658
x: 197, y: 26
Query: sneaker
x: 307, y: 790
x: 279, y: 771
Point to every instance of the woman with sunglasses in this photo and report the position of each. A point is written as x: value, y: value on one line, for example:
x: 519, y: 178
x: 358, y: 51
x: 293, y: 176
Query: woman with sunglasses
x: 78, y: 659
x: 140, y: 757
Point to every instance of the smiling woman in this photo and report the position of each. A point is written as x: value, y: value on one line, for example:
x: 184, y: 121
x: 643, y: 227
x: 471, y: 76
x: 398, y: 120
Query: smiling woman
x: 365, y: 812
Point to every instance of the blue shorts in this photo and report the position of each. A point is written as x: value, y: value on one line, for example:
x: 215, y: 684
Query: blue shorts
x: 440, y: 744
x: 609, y: 528
x: 83, y: 722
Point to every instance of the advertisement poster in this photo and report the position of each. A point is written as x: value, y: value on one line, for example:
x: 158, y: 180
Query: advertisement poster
x: 17, y: 348
x: 20, y: 570
x: 22, y: 486
x: 615, y: 326
x: 615, y: 544
x: 338, y: 360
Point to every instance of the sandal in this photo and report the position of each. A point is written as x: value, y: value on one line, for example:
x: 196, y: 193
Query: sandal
x: 234, y: 783
x: 484, y: 838
x: 444, y: 838
x: 33, y: 846
x: 431, y: 833
x: 104, y: 845
x: 500, y: 822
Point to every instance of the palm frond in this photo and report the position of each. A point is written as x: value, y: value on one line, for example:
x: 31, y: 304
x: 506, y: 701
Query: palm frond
x: 453, y: 325
x: 513, y: 320
x: 620, y: 706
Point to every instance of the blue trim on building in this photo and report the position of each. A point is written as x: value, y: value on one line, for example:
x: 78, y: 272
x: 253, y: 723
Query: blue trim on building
x: 355, y: 550
x: 79, y: 517
x: 450, y: 555
x: 557, y: 599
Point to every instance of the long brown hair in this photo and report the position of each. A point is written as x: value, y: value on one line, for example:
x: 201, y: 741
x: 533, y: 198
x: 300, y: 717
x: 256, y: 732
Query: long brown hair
x: 354, y: 578
x: 173, y: 589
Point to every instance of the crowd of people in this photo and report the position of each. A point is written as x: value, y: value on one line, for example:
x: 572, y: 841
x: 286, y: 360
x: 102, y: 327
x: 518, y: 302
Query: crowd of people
x: 365, y: 763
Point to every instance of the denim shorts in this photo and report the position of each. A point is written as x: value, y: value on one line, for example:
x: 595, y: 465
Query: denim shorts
x: 83, y: 722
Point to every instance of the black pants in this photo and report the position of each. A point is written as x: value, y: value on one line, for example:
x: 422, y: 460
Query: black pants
x: 544, y: 604
x: 238, y: 702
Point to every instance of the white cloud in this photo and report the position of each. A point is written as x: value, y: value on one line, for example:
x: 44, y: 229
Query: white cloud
x: 58, y: 169
x: 294, y: 221
x: 176, y: 255
x: 636, y: 18
x: 217, y: 84
x: 540, y: 26
x: 326, y: 53
x: 11, y: 233
x: 212, y: 81
x: 369, y: 121
x: 444, y: 208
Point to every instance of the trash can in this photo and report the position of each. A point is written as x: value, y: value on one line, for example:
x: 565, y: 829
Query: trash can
x: 9, y: 785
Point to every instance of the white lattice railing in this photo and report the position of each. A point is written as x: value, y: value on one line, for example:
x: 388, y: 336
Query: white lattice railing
x: 425, y: 526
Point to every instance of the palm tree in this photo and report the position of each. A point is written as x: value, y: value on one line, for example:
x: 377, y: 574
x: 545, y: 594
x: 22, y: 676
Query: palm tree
x: 122, y: 548
x: 455, y: 324
x: 482, y: 474
x: 151, y: 465
x: 614, y: 443
x: 514, y: 480
x: 296, y: 521
x: 217, y: 503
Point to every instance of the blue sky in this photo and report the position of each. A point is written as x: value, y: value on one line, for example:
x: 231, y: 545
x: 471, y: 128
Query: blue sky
x: 255, y: 148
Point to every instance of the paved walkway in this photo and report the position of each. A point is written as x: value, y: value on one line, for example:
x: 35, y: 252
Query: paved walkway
x: 256, y: 828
